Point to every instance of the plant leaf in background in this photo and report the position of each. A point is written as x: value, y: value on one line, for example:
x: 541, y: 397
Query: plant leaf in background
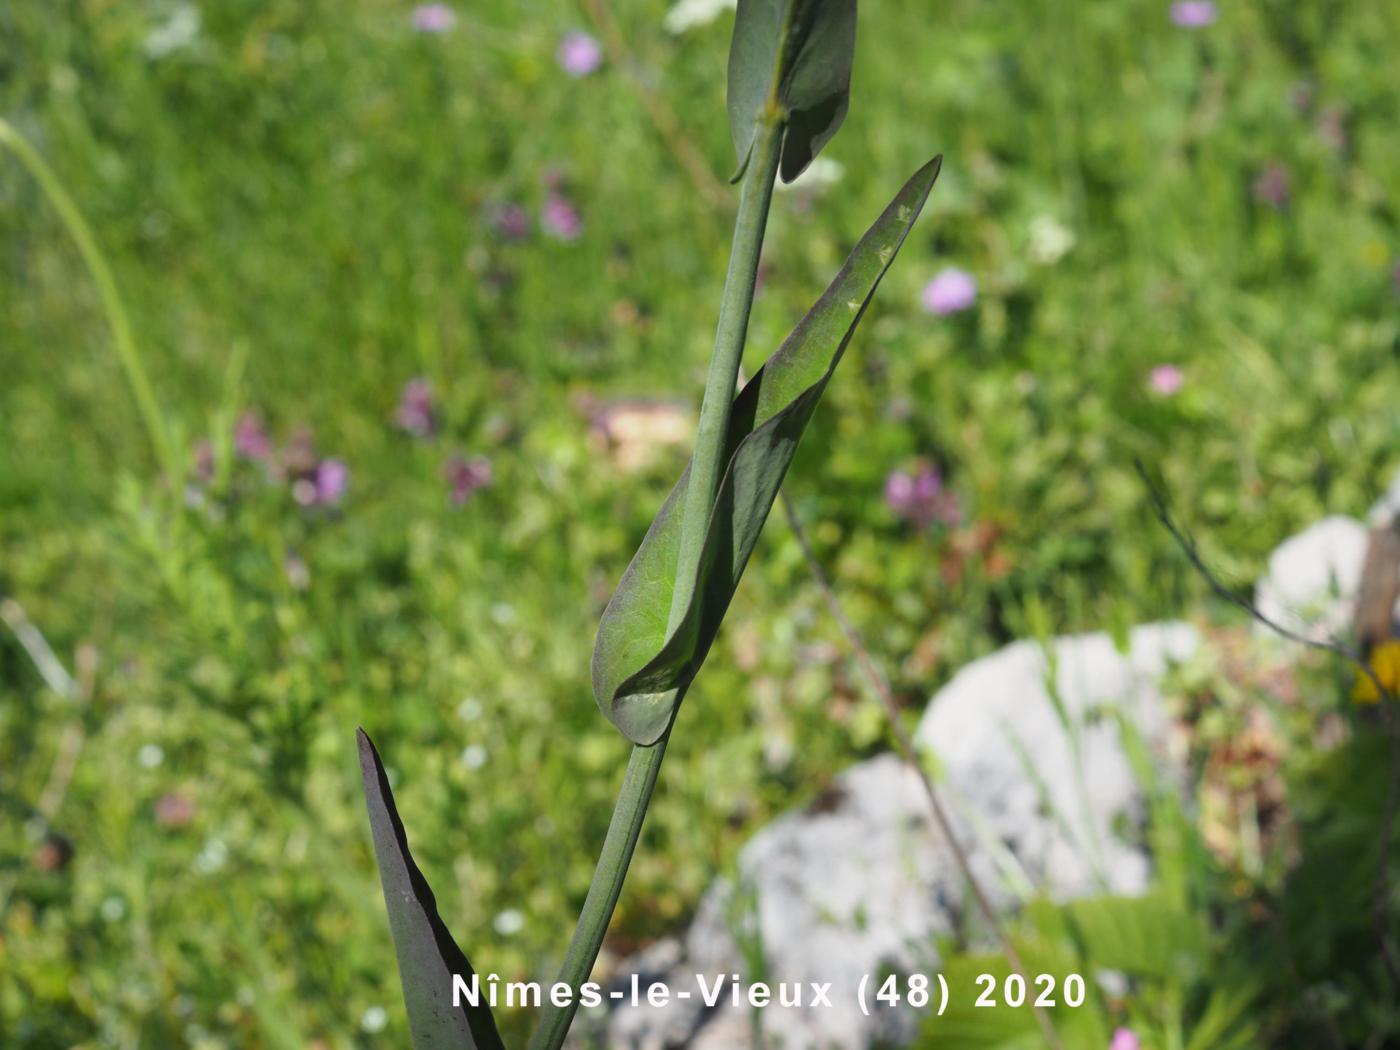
x: 639, y: 674
x: 796, y: 54
x: 428, y: 956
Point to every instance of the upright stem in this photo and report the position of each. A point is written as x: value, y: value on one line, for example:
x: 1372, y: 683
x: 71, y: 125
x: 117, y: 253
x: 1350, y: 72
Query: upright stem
x: 706, y: 470
x: 112, y: 306
x: 706, y: 466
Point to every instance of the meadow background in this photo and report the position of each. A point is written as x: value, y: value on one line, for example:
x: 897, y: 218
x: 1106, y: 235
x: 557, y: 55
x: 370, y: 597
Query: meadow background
x: 402, y: 282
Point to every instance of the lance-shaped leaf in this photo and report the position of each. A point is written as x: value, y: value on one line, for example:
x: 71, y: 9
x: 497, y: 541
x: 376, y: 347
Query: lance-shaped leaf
x: 791, y: 57
x: 428, y: 956
x: 639, y: 674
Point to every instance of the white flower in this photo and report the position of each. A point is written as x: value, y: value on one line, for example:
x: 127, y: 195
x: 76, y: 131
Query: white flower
x: 150, y: 756
x: 509, y: 922
x: 374, y: 1019
x: 179, y: 31
x: 211, y: 858
x: 113, y: 909
x: 474, y: 756
x: 1050, y: 241
x: 821, y: 173
x: 688, y: 14
x: 469, y: 710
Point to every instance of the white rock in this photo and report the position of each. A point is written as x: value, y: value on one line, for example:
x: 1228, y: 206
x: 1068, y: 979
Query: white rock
x: 1053, y: 797
x: 1313, y: 578
x: 861, y: 883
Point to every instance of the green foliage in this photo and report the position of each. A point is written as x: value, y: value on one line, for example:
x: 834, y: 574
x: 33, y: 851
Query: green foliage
x: 793, y: 57
x: 1179, y: 990
x: 310, y: 187
x: 640, y: 673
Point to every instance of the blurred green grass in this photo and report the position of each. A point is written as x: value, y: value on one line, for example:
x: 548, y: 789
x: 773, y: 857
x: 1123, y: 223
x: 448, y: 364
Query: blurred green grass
x: 309, y: 185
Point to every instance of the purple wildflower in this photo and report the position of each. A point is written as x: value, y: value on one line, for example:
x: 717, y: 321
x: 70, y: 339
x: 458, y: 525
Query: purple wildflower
x: 464, y: 476
x: 1303, y: 94
x: 950, y: 291
x: 174, y: 810
x: 579, y: 54
x: 433, y: 18
x: 560, y: 218
x: 1124, y: 1039
x: 1166, y: 380
x: 332, y: 479
x: 1332, y: 127
x: 1272, y: 187
x: 204, y: 462
x: 250, y: 439
x: 325, y: 486
x: 416, y: 414
x: 510, y: 222
x: 920, y: 497
x: 1194, y: 14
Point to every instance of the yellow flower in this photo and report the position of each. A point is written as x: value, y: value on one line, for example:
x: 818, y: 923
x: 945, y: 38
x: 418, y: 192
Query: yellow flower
x: 1385, y: 665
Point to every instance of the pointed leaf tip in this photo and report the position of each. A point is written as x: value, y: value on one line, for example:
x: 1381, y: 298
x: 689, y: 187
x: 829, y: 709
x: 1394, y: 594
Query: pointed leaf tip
x: 640, y: 674
x: 428, y: 956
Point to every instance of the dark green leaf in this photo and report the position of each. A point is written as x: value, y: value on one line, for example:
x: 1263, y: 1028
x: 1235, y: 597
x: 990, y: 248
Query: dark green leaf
x: 796, y: 56
x: 639, y: 674
x: 428, y: 956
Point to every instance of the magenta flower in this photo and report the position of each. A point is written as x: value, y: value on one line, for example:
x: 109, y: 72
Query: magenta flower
x: 1166, y: 380
x: 174, y: 810
x: 1194, y: 14
x: 204, y: 461
x: 920, y: 497
x: 579, y: 54
x: 1332, y: 128
x: 1124, y: 1039
x: 464, y: 476
x: 510, y: 222
x: 433, y: 18
x: 950, y: 291
x: 325, y: 486
x: 332, y: 479
x: 1272, y: 187
x: 416, y: 414
x: 560, y: 218
x: 250, y: 438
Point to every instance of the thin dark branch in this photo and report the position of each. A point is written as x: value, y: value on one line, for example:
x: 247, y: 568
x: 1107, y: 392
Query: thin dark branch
x: 1380, y: 896
x: 880, y: 684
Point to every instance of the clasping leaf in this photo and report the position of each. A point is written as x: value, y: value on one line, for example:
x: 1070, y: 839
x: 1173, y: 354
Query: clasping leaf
x: 640, y: 674
x: 793, y: 58
x: 428, y: 956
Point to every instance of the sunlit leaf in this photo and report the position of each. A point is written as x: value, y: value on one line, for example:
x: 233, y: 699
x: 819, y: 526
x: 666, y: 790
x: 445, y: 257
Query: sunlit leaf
x: 428, y: 956
x: 797, y: 55
x: 639, y: 674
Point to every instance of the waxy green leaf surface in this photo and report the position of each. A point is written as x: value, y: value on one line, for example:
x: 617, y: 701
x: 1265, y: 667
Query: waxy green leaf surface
x: 796, y: 54
x: 639, y: 674
x: 428, y: 956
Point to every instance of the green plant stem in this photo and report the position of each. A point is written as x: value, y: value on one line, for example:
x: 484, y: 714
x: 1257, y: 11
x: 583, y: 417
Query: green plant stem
x: 706, y: 466
x: 623, y: 831
x: 127, y: 353
x: 706, y: 470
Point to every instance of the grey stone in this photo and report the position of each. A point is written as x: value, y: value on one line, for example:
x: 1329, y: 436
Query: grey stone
x: 1313, y: 578
x: 1035, y: 797
x: 859, y: 883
